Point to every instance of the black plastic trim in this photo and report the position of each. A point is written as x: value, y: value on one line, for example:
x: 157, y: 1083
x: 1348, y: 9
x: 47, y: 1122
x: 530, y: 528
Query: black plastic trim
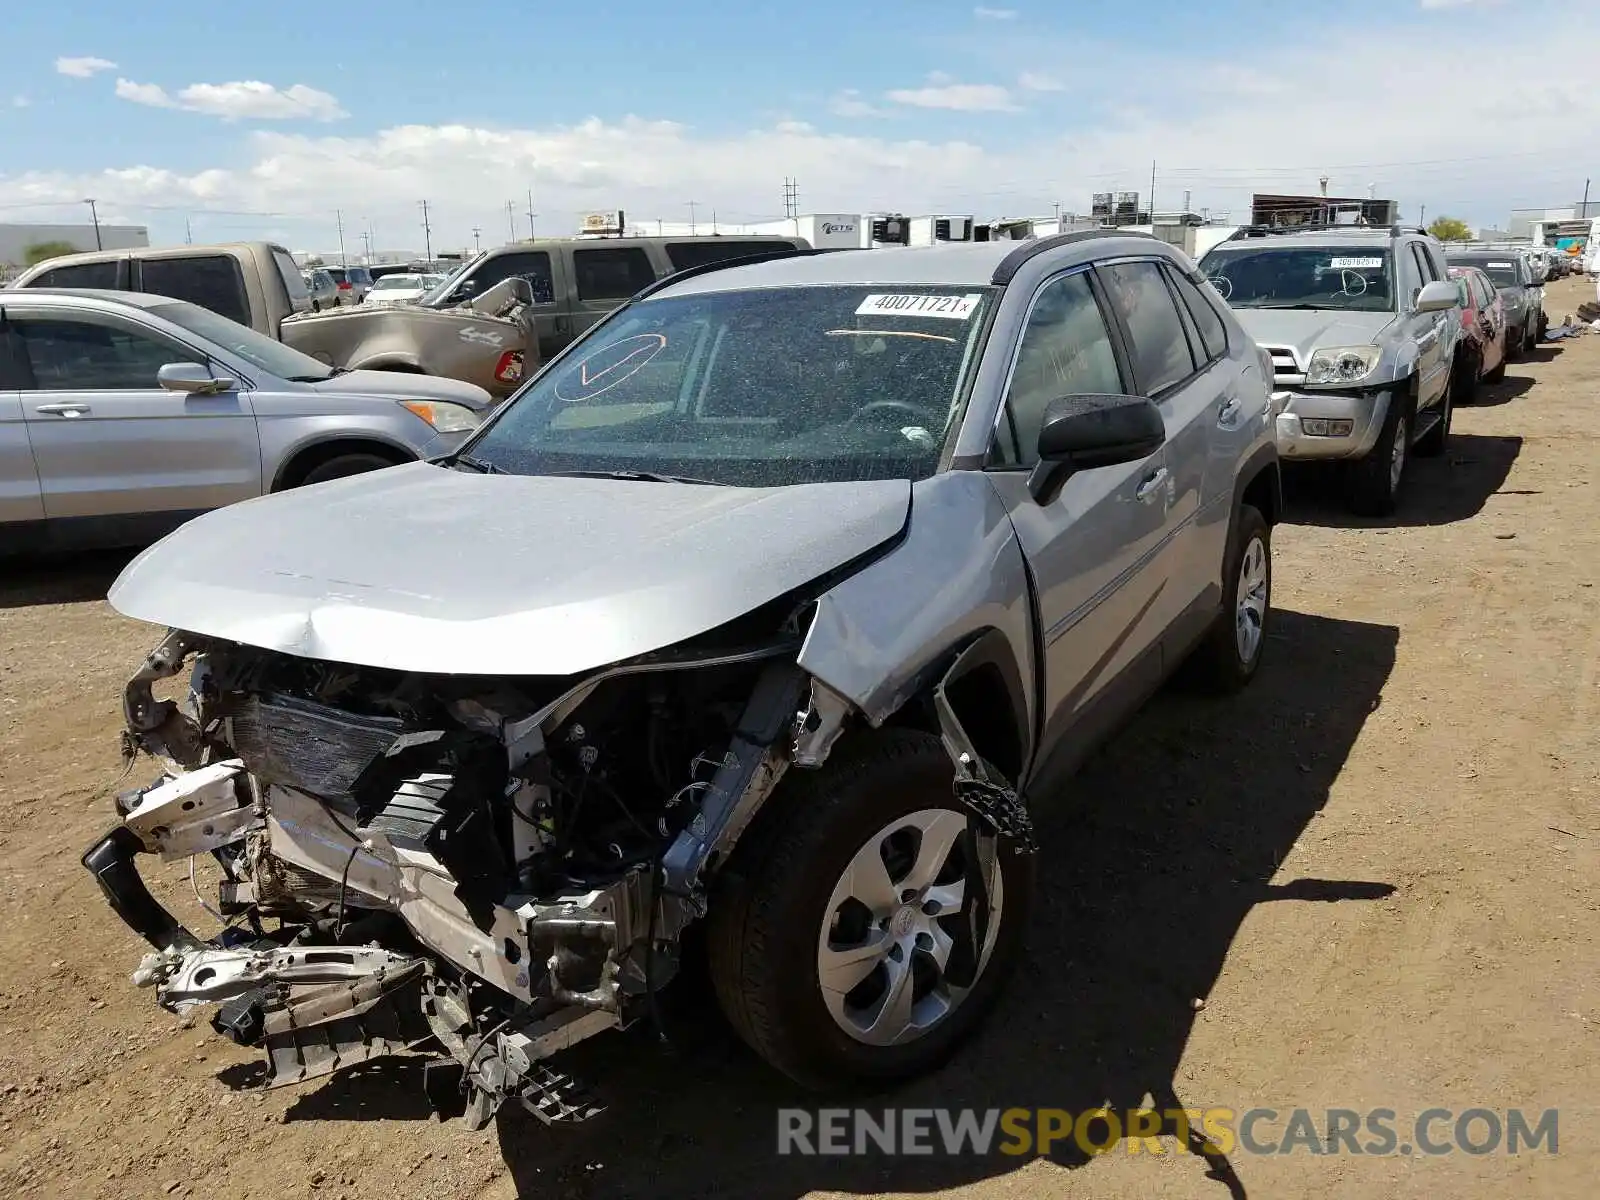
x: 1033, y: 247
x: 111, y: 862
x: 743, y: 260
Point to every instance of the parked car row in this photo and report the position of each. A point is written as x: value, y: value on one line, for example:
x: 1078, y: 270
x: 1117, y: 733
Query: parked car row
x: 1374, y: 336
x: 775, y: 600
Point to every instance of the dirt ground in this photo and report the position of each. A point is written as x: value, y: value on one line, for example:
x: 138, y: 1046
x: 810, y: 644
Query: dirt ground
x: 1377, y: 869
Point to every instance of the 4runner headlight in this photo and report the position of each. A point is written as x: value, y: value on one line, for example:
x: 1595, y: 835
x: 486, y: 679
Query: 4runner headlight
x: 1342, y: 364
x: 444, y: 416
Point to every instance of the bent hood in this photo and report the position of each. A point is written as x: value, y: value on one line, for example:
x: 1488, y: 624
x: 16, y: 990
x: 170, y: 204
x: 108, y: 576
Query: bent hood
x: 422, y: 568
x: 403, y: 385
x: 1310, y: 330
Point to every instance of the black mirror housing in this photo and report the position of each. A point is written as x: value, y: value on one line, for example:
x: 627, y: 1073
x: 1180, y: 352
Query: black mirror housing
x: 1084, y: 432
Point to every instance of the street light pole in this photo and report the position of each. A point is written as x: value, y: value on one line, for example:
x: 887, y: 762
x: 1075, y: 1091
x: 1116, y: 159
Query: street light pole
x: 94, y: 215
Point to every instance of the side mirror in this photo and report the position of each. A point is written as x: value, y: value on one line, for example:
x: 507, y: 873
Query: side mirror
x: 1436, y: 297
x: 193, y: 378
x: 1082, y: 433
x: 464, y: 290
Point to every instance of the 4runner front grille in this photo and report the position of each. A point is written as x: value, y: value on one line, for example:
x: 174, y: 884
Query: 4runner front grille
x: 1285, y: 367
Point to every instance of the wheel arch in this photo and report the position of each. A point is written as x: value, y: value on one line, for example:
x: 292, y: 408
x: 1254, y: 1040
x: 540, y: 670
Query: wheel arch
x: 308, y: 456
x: 981, y: 683
x: 1259, y: 484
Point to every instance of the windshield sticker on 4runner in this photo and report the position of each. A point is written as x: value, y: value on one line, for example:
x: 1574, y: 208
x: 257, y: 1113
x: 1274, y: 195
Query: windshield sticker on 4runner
x: 1355, y: 264
x: 597, y: 373
x: 956, y: 308
x: 1506, y: 266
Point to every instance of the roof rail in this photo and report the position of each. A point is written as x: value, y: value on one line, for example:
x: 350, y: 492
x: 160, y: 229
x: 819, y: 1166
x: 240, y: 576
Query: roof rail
x: 1397, y: 230
x: 1029, y: 248
x: 744, y: 260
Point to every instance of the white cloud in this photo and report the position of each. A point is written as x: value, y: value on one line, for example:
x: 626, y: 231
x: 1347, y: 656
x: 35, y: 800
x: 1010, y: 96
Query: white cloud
x: 850, y: 103
x: 994, y: 14
x: 1036, y: 81
x: 247, y: 99
x: 961, y: 97
x: 83, y: 68
x: 20, y: 101
x: 1214, y: 130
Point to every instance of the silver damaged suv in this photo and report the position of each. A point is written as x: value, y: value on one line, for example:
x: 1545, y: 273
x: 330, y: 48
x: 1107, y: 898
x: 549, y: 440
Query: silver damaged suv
x: 1361, y: 325
x: 774, y: 603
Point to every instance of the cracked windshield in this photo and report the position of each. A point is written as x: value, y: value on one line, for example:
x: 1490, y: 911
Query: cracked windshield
x: 761, y: 387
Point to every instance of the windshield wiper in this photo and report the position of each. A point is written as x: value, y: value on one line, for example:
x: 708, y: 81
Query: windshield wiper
x: 1298, y: 305
x: 638, y: 476
x: 475, y: 464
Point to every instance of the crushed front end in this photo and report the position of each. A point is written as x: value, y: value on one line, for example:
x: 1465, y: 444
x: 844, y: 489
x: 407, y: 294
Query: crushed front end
x: 494, y: 868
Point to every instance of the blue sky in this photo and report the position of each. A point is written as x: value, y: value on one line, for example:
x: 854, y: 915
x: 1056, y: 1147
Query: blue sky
x: 263, y: 120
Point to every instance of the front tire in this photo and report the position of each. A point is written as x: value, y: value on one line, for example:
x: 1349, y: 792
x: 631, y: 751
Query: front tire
x: 1470, y: 371
x: 344, y: 465
x: 1374, y: 483
x: 830, y: 936
x: 1433, y: 443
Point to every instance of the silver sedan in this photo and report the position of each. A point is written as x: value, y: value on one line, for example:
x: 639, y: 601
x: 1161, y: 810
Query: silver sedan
x: 123, y: 415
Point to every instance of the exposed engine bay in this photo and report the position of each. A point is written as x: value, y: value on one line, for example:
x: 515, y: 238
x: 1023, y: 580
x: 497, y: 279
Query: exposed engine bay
x: 500, y: 867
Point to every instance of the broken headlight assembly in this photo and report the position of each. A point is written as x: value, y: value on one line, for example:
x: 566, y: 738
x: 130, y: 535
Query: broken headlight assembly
x: 1341, y: 366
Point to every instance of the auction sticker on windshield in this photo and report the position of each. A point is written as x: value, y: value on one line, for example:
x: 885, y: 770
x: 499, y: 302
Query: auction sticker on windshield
x: 957, y: 308
x: 1355, y: 264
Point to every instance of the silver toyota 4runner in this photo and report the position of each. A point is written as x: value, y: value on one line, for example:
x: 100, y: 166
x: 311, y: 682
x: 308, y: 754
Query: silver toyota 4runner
x: 774, y: 602
x: 1361, y: 325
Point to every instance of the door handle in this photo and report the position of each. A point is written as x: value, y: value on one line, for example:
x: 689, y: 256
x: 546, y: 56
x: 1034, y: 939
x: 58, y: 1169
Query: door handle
x: 1152, y: 486
x: 1228, y: 417
x: 64, y: 409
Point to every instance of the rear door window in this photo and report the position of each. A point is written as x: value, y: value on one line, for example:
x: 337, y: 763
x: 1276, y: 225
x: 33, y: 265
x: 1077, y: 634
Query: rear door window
x: 81, y: 275
x: 212, y: 281
x: 611, y: 273
x: 1213, y: 334
x: 699, y: 251
x: 1161, y: 355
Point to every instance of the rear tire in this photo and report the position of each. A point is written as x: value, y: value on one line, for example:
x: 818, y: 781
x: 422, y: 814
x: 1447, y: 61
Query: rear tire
x: 1231, y: 654
x: 1372, y: 488
x: 344, y: 465
x: 774, y: 916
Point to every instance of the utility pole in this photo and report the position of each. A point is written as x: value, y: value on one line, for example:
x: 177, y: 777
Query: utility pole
x: 713, y: 222
x: 338, y: 218
x: 1422, y: 215
x: 1152, y: 194
x: 94, y: 215
x: 791, y: 202
x: 511, y: 220
x: 427, y: 234
x: 188, y: 234
x: 692, y: 228
x: 366, y: 239
x: 531, y: 214
x: 476, y: 248
x: 1585, y: 211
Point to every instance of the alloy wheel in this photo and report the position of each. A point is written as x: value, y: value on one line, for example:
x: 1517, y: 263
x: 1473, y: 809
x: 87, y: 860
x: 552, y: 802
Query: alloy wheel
x: 1250, y: 608
x: 891, y: 924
